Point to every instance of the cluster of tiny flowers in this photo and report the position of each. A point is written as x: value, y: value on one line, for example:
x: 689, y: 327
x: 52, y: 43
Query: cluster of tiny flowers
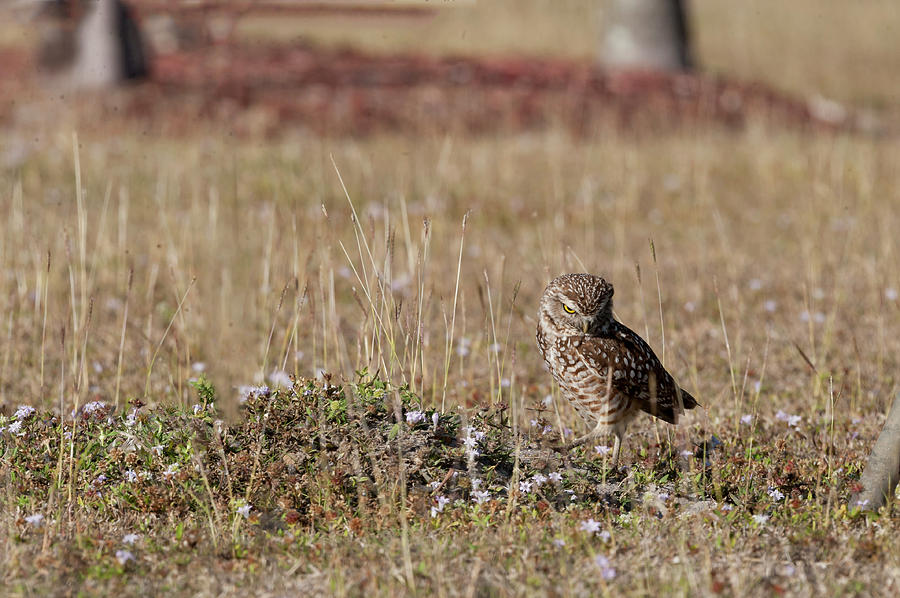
x: 607, y: 572
x: 818, y: 317
x: 441, y: 501
x: 793, y: 421
x: 123, y: 556
x: 24, y: 412
x: 36, y: 520
x: 281, y: 378
x: 479, y: 496
x: 473, y: 437
x: 590, y: 526
x: 94, y: 409
x: 414, y: 417
x: 170, y: 471
x: 245, y: 392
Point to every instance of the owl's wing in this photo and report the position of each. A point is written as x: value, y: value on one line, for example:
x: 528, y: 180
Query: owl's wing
x: 636, y: 372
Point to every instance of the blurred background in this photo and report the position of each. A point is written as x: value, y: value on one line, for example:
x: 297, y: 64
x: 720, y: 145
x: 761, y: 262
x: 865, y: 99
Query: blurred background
x: 175, y: 177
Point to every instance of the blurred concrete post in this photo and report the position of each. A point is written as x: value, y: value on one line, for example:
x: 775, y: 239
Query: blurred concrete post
x: 102, y: 47
x: 883, y: 468
x: 646, y: 35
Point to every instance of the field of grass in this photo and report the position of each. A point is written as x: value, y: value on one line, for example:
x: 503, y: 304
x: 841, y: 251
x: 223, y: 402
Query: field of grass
x: 307, y: 365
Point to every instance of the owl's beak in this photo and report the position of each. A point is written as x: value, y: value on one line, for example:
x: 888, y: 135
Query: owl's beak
x: 585, y: 325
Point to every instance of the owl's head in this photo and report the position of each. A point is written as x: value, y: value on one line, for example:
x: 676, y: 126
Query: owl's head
x: 578, y: 304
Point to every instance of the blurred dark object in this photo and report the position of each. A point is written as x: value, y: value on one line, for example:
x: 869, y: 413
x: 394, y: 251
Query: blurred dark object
x: 647, y: 35
x: 90, y: 43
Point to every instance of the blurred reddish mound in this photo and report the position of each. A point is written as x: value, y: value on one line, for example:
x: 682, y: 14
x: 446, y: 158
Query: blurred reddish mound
x: 267, y: 89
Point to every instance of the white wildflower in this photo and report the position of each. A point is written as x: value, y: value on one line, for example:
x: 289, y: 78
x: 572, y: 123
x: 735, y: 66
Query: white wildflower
x: 555, y: 477
x: 198, y: 366
x: 747, y: 419
x: 524, y: 486
x: 123, y: 556
x: 170, y: 471
x: 606, y: 571
x: 602, y: 449
x: 280, y: 378
x: 244, y: 510
x: 24, y: 412
x: 775, y: 494
x: 414, y: 417
x: 590, y: 526
x: 36, y: 520
x: 770, y: 305
x: 539, y: 479
x: 481, y: 496
x: 760, y: 519
x: 130, y: 539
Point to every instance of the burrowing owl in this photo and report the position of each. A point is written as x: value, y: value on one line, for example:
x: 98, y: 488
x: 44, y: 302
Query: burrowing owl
x: 603, y: 368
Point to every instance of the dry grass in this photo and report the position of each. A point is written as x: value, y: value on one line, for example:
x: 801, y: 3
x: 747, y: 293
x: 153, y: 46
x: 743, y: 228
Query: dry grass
x: 804, y: 47
x: 127, y: 261
x: 267, y: 281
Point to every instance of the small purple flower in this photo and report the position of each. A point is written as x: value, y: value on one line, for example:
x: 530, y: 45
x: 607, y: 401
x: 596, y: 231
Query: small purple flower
x: 244, y: 510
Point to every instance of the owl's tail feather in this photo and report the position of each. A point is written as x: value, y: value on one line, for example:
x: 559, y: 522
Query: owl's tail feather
x: 689, y: 401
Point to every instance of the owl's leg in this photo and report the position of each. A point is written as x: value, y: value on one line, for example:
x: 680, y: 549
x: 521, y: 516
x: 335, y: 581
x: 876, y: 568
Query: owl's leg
x: 617, y: 446
x: 598, y: 429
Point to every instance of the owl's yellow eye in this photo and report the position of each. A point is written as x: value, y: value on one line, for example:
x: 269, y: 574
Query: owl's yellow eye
x: 568, y: 309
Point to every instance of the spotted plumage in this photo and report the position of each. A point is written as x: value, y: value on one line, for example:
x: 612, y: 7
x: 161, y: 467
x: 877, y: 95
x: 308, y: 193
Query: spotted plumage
x: 603, y: 368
